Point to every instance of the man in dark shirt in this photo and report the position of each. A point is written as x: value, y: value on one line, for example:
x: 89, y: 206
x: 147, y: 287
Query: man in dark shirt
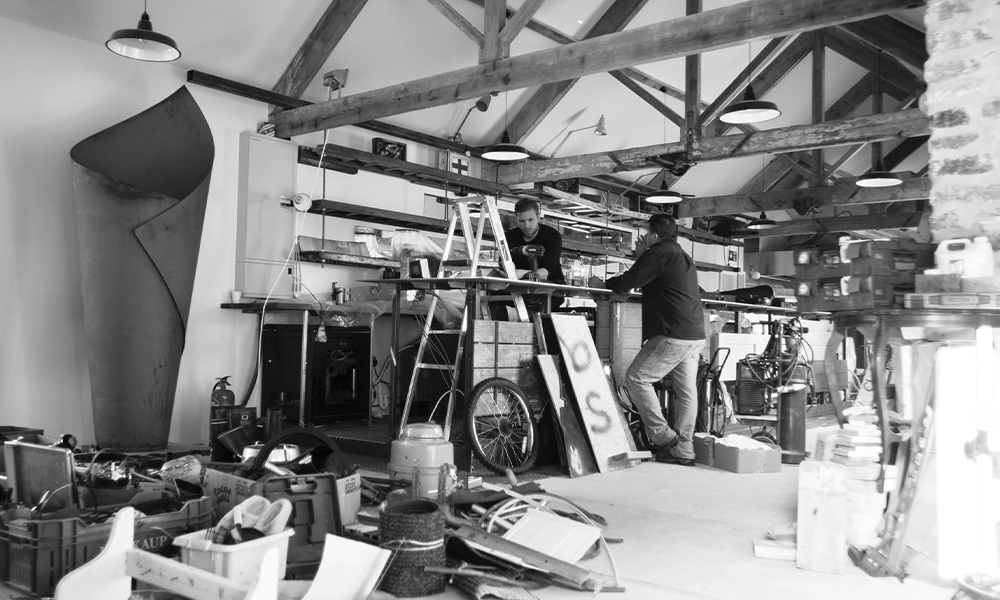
x: 673, y: 330
x: 530, y: 231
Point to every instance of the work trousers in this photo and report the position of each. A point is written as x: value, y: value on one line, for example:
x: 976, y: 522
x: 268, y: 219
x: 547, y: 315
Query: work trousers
x: 659, y: 356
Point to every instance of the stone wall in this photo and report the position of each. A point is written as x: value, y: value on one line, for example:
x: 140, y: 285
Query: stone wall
x: 963, y: 102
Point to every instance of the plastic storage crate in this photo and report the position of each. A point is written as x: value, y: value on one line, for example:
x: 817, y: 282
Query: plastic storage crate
x: 34, y: 555
x: 239, y: 562
x: 315, y: 513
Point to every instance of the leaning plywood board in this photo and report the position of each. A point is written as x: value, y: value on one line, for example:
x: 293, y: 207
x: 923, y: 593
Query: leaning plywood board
x: 579, y: 459
x: 594, y: 398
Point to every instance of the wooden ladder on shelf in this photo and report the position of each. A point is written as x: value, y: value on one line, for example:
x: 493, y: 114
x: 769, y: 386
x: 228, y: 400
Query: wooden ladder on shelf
x: 461, y: 215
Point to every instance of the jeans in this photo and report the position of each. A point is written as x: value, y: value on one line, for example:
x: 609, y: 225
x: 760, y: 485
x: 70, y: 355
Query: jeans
x: 659, y: 356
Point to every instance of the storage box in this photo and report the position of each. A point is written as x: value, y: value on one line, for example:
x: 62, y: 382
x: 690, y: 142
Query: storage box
x: 868, y: 257
x: 863, y: 293
x: 34, y: 555
x: 315, y: 513
x: 227, y: 490
x: 746, y: 460
x: 13, y: 432
x: 704, y: 449
x: 239, y: 562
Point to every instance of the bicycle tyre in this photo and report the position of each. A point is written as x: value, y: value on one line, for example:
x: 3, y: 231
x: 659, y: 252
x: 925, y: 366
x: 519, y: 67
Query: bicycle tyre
x: 500, y: 427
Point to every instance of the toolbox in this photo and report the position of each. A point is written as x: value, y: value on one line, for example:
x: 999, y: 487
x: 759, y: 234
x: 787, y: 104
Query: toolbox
x: 866, y: 257
x: 315, y: 513
x: 35, y: 554
x: 851, y: 293
x: 954, y: 301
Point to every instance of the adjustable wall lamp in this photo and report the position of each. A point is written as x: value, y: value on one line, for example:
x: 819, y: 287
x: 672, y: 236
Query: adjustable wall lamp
x: 601, y: 128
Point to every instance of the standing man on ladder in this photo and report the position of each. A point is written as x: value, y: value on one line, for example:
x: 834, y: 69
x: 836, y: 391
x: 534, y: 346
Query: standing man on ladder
x: 531, y: 232
x: 673, y: 329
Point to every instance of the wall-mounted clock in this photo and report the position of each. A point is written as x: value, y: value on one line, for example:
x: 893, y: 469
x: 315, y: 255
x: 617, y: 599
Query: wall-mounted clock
x: 389, y: 148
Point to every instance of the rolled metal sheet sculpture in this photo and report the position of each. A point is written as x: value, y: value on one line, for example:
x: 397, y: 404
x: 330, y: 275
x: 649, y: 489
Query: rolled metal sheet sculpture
x: 141, y: 187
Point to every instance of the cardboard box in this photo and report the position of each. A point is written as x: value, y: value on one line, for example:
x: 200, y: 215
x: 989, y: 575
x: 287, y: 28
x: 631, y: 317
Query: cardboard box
x: 229, y: 490
x: 746, y: 460
x: 704, y: 449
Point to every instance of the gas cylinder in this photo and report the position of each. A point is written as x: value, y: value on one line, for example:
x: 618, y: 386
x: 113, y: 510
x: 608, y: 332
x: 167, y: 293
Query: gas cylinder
x: 221, y: 394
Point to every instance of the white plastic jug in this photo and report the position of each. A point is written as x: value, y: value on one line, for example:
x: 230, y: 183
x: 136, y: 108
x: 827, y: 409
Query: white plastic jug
x: 967, y: 258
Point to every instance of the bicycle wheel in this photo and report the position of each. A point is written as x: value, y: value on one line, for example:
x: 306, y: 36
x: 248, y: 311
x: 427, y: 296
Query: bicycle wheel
x: 500, y: 428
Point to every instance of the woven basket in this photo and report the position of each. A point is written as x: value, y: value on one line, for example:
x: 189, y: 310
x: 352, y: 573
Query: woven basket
x: 414, y: 532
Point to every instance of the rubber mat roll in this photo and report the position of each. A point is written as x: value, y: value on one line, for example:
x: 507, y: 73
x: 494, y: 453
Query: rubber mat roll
x: 414, y: 531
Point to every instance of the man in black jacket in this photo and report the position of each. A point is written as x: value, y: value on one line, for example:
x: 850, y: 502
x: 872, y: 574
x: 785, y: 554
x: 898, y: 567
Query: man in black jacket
x: 673, y: 331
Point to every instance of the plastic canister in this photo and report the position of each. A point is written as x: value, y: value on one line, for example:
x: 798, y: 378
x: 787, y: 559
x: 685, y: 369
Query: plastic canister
x: 967, y: 258
x: 423, y: 444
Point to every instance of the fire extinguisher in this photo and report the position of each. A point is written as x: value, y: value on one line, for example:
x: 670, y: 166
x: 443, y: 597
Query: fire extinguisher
x: 221, y: 394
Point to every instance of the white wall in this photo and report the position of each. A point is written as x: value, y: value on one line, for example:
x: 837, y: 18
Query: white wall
x: 61, y: 90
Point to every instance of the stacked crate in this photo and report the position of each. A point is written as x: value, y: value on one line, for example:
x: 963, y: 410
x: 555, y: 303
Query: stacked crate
x: 859, y: 275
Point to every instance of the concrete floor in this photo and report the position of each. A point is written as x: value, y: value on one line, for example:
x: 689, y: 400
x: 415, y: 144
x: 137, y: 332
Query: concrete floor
x: 688, y: 533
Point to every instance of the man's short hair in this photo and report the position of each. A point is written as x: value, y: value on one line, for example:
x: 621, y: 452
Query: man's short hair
x: 664, y: 226
x: 525, y: 204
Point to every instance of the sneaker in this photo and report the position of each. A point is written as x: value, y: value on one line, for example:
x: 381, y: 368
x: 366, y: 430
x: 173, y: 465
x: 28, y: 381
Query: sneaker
x: 663, y: 448
x: 664, y: 457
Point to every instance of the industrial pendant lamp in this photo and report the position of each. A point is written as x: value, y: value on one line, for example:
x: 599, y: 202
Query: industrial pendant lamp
x: 762, y: 222
x: 749, y: 109
x: 664, y: 195
x: 142, y: 43
x: 505, y: 151
x: 878, y: 176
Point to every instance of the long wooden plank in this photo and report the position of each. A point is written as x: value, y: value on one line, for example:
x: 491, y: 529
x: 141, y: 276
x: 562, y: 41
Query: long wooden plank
x: 593, y: 395
x: 709, y: 30
x: 579, y: 458
x: 869, y: 128
x: 458, y: 20
x: 834, y: 195
x: 329, y: 30
x: 614, y: 19
x: 836, y: 224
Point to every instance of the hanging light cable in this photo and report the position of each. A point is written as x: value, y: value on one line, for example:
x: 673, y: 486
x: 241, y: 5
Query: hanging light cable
x: 878, y: 176
x: 142, y: 43
x: 761, y: 222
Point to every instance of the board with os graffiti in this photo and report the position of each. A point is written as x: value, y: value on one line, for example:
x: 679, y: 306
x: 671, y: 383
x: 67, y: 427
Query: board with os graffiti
x: 592, y: 394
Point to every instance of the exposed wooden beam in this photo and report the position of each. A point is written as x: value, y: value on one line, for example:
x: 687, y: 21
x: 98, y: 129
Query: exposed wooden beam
x: 870, y: 128
x: 417, y: 173
x: 494, y: 17
x: 893, y: 36
x: 818, y: 69
x: 709, y: 30
x: 736, y: 87
x: 836, y: 224
x: 867, y: 56
x: 831, y: 195
x: 331, y: 27
x: 561, y: 38
x: 547, y: 96
x: 692, y: 85
x: 769, y: 76
x: 459, y: 21
x: 519, y: 21
x: 902, y: 151
x: 648, y: 97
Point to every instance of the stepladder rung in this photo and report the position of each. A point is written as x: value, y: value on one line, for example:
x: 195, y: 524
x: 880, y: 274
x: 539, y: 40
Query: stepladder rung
x: 435, y: 366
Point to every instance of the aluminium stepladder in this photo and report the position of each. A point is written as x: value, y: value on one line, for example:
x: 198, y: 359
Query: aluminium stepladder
x: 460, y: 215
